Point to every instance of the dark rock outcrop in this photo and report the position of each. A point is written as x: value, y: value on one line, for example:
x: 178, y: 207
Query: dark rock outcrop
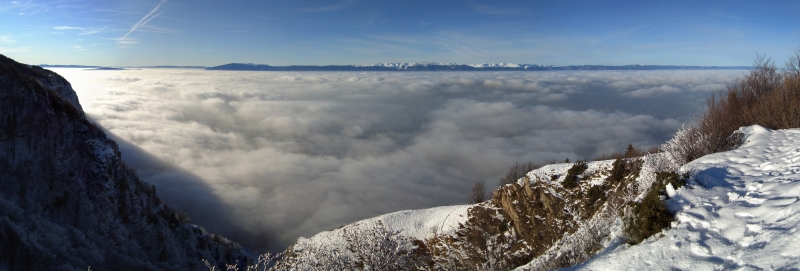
x: 68, y: 201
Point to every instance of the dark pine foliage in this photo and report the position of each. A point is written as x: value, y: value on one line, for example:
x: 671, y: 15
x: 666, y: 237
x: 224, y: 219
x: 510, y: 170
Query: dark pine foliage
x: 617, y: 171
x: 571, y: 179
x: 650, y: 216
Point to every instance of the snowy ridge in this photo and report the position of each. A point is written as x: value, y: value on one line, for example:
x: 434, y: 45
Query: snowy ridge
x: 416, y: 224
x: 404, y: 66
x: 497, y: 65
x: 739, y: 212
x: 543, y: 173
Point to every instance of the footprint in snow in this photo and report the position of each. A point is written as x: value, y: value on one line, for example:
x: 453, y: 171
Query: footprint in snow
x: 766, y: 166
x: 782, y: 201
x: 700, y: 250
x: 752, y: 230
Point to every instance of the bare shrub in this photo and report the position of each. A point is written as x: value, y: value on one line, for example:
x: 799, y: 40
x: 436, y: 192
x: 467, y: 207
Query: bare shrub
x: 478, y: 193
x: 746, y: 102
x: 630, y: 152
x: 792, y: 68
x: 579, y: 246
x: 765, y: 97
x: 686, y: 145
x: 263, y: 263
x: 485, y: 242
x: 373, y: 248
x: 515, y: 172
x: 379, y: 248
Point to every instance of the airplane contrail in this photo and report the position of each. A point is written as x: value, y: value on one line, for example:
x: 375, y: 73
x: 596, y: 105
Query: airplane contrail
x: 145, y: 19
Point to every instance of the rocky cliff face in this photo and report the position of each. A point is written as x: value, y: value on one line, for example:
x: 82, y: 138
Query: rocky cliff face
x: 67, y: 199
x: 524, y: 220
x: 556, y: 216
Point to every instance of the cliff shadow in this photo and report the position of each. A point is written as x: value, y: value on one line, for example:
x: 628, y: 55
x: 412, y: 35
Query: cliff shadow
x: 187, y: 192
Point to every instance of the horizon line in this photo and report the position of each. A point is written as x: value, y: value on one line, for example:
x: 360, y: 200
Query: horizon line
x: 494, y: 65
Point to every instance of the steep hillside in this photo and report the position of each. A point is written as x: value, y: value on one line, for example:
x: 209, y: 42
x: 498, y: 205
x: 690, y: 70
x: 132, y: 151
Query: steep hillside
x: 557, y: 215
x: 68, y: 201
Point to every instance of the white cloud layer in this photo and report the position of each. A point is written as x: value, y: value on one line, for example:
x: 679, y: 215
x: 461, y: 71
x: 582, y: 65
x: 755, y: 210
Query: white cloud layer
x: 277, y: 155
x: 653, y: 91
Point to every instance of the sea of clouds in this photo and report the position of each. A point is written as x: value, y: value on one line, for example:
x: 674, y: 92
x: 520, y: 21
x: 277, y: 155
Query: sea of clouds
x: 266, y: 157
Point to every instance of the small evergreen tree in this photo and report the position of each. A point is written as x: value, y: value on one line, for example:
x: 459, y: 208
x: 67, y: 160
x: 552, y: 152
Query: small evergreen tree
x: 571, y: 179
x: 617, y: 171
x: 594, y: 194
x: 650, y: 215
x: 630, y: 151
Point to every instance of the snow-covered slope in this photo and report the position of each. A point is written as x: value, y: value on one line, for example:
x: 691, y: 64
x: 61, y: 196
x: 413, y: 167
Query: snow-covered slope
x: 521, y: 221
x: 416, y: 224
x: 741, y: 212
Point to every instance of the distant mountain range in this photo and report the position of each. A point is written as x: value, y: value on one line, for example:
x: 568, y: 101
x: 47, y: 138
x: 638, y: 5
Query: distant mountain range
x: 459, y: 67
x: 117, y: 68
x: 423, y: 66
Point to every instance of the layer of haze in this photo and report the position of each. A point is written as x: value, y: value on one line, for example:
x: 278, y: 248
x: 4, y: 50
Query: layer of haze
x: 282, y: 155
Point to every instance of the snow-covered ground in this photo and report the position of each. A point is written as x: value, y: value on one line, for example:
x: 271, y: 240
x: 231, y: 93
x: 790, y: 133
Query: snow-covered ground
x: 543, y: 173
x: 741, y: 213
x: 417, y: 224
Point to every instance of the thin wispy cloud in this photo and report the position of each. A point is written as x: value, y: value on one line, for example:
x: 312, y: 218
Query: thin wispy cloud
x: 725, y: 15
x: 5, y: 50
x: 67, y: 28
x: 50, y: 8
x: 142, y: 22
x: 154, y: 29
x: 82, y: 31
x: 332, y: 7
x: 36, y: 7
x: 91, y: 32
x: 492, y: 10
x: 127, y: 41
x: 7, y: 39
x: 22, y: 8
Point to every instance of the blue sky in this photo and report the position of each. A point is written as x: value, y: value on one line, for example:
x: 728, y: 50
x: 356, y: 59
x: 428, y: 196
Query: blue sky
x: 206, y: 32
